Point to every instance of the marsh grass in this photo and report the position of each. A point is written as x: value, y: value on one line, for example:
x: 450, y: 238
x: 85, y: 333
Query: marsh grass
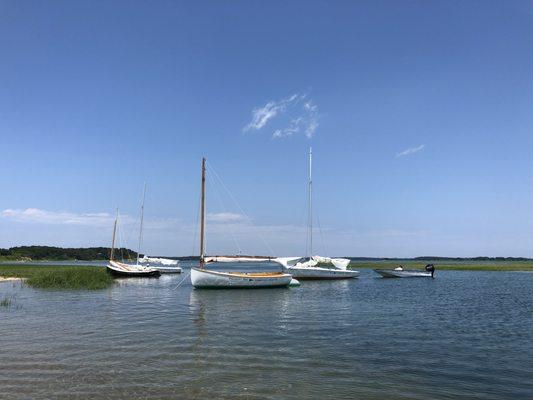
x: 5, y: 302
x: 60, y: 277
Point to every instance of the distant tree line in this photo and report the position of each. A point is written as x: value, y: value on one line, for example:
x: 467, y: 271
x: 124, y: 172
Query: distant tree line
x: 430, y: 258
x: 436, y: 258
x: 59, y: 253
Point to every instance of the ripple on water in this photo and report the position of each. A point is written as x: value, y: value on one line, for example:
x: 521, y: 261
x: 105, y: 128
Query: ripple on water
x: 462, y: 335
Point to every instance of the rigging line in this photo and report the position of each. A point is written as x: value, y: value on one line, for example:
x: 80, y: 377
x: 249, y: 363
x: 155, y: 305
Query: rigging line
x: 324, y: 249
x: 307, y: 242
x: 302, y: 223
x: 212, y: 182
x: 249, y: 220
x: 141, y: 223
x: 183, y: 280
x: 240, y: 208
x: 120, y: 238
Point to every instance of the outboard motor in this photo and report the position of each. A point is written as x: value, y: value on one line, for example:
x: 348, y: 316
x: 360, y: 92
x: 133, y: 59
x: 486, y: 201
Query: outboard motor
x: 430, y: 268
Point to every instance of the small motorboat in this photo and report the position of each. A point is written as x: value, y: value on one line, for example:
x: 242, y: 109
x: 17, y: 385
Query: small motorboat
x: 400, y: 272
x: 128, y: 270
x: 167, y: 270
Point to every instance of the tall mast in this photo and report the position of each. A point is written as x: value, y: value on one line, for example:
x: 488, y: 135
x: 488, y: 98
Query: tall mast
x: 141, y: 226
x: 202, y: 218
x: 114, y: 234
x: 310, y: 215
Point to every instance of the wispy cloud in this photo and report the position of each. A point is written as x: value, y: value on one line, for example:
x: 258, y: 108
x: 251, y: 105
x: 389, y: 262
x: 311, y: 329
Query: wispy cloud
x: 101, y: 220
x: 36, y: 215
x: 294, y: 114
x: 225, y: 217
x: 410, y: 151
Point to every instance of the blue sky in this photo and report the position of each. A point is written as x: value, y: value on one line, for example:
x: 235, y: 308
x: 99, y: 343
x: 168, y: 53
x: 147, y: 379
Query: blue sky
x: 419, y: 114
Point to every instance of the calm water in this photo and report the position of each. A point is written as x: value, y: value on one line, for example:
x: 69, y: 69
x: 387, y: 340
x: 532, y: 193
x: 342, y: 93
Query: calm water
x: 462, y: 335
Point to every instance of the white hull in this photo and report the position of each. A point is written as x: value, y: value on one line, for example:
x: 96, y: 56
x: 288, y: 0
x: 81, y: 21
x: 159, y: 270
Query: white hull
x: 320, y: 273
x: 202, y: 278
x: 392, y: 273
x: 169, y: 270
x: 121, y: 269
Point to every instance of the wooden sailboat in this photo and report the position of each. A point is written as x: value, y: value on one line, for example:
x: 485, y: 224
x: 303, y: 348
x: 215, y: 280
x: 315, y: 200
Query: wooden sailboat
x: 205, y: 278
x: 315, y: 267
x: 120, y: 269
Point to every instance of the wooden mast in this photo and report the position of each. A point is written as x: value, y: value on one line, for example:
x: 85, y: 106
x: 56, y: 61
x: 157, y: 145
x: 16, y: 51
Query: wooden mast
x: 141, y: 225
x: 114, y: 234
x: 202, y: 218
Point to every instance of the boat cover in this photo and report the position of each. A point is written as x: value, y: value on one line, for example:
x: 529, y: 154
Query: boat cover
x: 303, y: 262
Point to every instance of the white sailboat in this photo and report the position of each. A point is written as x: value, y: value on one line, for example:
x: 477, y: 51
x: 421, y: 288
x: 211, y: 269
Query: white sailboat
x: 163, y: 265
x: 205, y: 278
x: 315, y: 267
x: 128, y: 270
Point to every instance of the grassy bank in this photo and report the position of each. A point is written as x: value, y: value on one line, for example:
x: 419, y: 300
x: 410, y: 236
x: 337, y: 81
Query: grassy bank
x: 60, y: 277
x: 466, y: 266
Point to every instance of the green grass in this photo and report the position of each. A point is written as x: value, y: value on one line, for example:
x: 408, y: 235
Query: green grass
x: 60, y: 277
x: 5, y: 302
x: 459, y: 266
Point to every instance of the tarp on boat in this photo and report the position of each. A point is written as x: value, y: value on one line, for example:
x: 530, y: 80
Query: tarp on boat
x: 210, y: 259
x: 303, y: 262
x: 157, y: 260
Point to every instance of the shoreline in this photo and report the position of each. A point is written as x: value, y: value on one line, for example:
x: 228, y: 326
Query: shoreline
x: 10, y: 279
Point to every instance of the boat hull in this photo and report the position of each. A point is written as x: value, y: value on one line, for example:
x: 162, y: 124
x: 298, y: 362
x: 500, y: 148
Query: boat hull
x: 132, y: 271
x: 315, y: 273
x: 391, y: 273
x: 169, y: 270
x: 207, y: 279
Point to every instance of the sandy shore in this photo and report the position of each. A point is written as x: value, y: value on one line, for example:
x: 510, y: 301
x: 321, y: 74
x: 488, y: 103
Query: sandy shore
x: 10, y: 278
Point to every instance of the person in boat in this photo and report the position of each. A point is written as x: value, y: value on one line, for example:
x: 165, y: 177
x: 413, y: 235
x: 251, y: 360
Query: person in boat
x: 399, y: 268
x: 430, y: 268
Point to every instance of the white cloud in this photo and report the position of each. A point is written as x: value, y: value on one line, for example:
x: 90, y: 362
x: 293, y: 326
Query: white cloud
x: 36, y: 215
x: 311, y: 128
x: 101, y: 220
x: 260, y: 116
x: 293, y: 117
x: 411, y: 150
x: 225, y: 217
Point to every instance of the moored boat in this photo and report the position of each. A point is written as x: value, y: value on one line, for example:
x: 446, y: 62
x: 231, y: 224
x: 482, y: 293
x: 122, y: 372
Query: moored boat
x: 168, y: 270
x: 403, y: 273
x: 127, y: 270
x: 158, y: 260
x: 315, y: 267
x: 121, y: 269
x: 163, y: 265
x: 310, y: 268
x: 202, y: 278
